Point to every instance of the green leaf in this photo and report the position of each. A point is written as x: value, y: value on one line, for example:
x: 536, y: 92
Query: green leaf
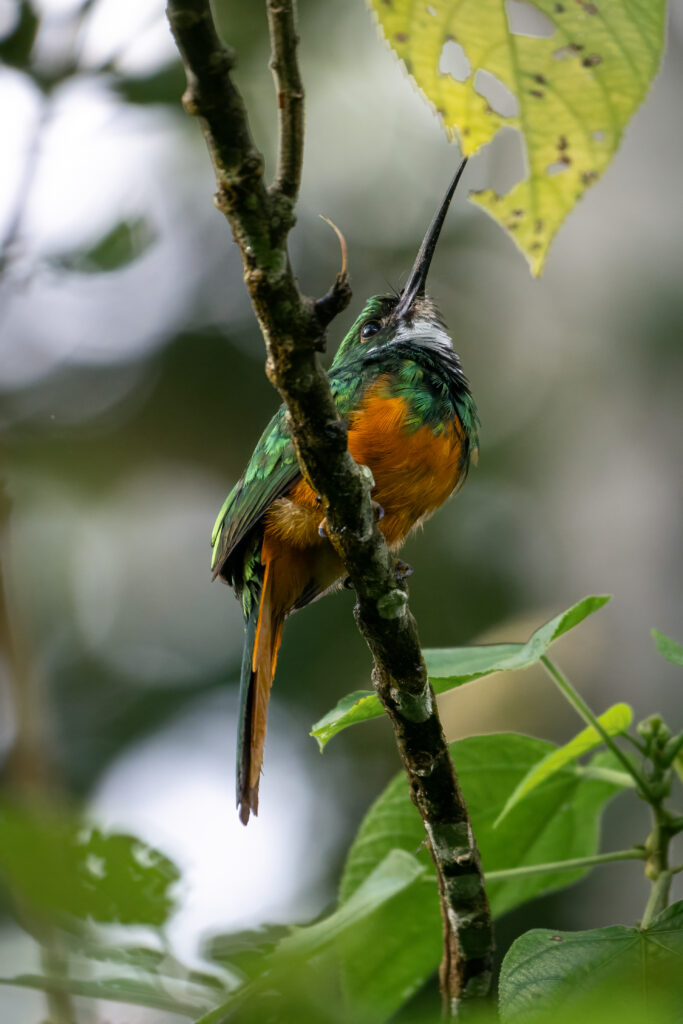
x: 119, y: 990
x: 614, y: 721
x: 394, y: 953
x: 668, y: 648
x: 393, y: 874
x: 569, y: 89
x: 559, y: 820
x: 243, y: 952
x: 548, y: 971
x: 126, y: 242
x: 145, y: 964
x: 380, y: 939
x: 452, y: 667
x: 387, y: 936
x: 63, y: 868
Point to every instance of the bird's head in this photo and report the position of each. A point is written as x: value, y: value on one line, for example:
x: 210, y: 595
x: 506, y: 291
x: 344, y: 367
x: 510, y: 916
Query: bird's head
x: 409, y: 316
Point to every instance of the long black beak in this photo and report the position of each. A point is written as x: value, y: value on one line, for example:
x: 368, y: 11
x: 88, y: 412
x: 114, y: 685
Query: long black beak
x: 418, y: 275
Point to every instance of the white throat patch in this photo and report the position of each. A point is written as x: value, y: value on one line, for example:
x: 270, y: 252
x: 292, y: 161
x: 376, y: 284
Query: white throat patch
x: 424, y: 332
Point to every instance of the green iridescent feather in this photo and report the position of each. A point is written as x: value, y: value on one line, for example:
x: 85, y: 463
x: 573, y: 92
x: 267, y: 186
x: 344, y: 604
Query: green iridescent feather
x: 427, y: 377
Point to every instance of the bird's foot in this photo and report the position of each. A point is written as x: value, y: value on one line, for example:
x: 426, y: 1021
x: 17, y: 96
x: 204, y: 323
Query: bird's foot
x: 377, y: 511
x: 402, y: 570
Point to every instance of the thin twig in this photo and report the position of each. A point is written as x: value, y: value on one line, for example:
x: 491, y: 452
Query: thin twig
x: 293, y: 328
x: 290, y: 95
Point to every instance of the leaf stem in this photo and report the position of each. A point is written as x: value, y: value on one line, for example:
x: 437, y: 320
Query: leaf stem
x: 606, y: 775
x: 565, y: 865
x: 659, y: 898
x: 582, y: 709
x: 657, y: 867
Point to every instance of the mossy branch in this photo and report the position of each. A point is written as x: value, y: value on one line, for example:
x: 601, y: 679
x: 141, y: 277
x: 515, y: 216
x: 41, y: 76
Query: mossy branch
x: 293, y: 327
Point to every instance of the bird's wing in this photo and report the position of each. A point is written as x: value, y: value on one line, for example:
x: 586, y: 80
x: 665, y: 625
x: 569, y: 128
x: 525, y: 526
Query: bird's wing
x: 271, y: 471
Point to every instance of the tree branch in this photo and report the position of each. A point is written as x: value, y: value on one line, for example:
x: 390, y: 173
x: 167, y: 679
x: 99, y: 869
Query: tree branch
x: 293, y: 328
x: 290, y: 94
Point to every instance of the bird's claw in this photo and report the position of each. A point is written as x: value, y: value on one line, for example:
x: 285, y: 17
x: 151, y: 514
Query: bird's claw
x: 402, y: 570
x: 377, y: 511
x: 347, y: 583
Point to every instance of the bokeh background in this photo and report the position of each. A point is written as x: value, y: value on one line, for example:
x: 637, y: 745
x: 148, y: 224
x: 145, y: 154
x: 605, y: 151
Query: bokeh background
x: 132, y: 393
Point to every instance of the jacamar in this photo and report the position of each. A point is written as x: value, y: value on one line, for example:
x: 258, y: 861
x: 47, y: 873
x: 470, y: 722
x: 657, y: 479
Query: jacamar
x: 411, y: 418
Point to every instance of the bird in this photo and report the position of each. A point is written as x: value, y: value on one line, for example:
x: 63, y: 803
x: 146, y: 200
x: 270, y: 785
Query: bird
x: 399, y: 386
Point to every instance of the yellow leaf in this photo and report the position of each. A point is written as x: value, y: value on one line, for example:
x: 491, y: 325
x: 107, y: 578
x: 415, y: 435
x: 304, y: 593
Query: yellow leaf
x: 569, y: 91
x: 614, y: 721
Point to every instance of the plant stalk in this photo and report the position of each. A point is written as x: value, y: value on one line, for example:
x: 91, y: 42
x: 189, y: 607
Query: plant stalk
x: 565, y: 865
x: 580, y: 706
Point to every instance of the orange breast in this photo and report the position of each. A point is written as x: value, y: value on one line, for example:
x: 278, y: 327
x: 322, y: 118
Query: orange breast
x: 414, y: 471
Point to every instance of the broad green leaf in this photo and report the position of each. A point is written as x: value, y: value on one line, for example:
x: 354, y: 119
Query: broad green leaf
x: 243, y: 952
x: 455, y: 666
x: 62, y: 868
x: 614, y: 721
x: 126, y: 242
x: 668, y: 648
x: 387, y: 936
x: 569, y: 85
x: 394, y: 953
x: 558, y: 821
x: 548, y: 971
x: 385, y: 950
x: 395, y: 872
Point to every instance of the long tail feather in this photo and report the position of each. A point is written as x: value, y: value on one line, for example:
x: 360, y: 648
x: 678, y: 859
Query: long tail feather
x: 261, y: 645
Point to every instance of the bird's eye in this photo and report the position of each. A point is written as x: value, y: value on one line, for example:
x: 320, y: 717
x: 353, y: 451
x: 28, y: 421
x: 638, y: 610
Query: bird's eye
x: 369, y: 328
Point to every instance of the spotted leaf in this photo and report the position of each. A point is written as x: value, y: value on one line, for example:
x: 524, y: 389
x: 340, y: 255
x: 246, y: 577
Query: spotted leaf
x: 567, y: 74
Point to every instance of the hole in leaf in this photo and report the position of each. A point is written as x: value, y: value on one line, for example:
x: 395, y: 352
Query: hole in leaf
x: 599, y: 136
x: 498, y: 96
x: 506, y: 162
x: 454, y: 61
x: 558, y: 167
x: 525, y: 19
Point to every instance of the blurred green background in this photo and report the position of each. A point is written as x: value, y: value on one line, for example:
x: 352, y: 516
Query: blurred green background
x: 132, y: 393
